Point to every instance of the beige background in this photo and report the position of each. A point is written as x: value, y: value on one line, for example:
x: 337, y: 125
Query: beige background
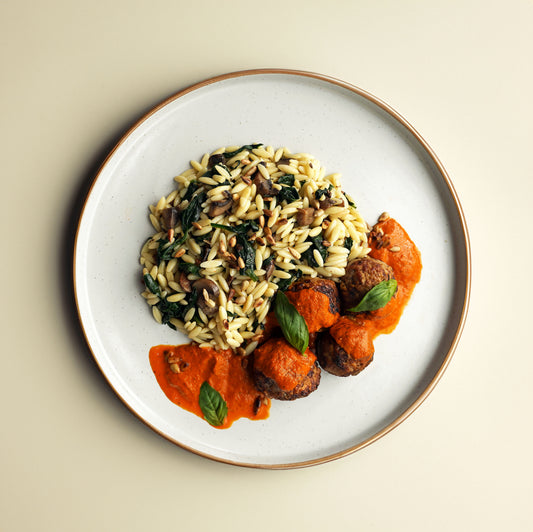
x: 75, y: 75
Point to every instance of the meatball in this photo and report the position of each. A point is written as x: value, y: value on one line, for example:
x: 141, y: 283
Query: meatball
x: 281, y: 372
x: 345, y: 349
x: 361, y: 276
x: 317, y: 300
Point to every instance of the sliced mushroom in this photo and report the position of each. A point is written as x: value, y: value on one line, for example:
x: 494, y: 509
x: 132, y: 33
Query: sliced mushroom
x: 208, y: 293
x: 170, y: 217
x: 216, y: 159
x: 270, y: 270
x: 220, y: 207
x: 326, y: 203
x: 305, y: 216
x: 264, y: 186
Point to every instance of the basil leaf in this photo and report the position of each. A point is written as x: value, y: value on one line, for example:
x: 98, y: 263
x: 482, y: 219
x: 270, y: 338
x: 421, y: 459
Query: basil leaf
x: 291, y: 322
x: 212, y: 404
x: 377, y: 297
x: 151, y: 284
x: 348, y: 243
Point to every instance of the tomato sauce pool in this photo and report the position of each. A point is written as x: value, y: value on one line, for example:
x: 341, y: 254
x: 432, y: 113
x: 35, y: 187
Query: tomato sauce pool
x: 181, y: 370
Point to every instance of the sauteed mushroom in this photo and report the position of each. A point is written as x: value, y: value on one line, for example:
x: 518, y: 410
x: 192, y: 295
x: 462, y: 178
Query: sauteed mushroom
x: 208, y: 293
x: 220, y: 207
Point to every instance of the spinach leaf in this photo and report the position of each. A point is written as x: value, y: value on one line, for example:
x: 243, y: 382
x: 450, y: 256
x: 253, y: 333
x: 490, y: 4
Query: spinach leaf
x: 308, y: 255
x: 189, y: 268
x: 377, y: 297
x: 192, y: 212
x: 213, y: 405
x: 288, y: 194
x: 212, y: 171
x: 151, y: 284
x: 322, y: 193
x: 247, y: 225
x: 191, y: 189
x: 349, y: 200
x: 170, y: 310
x: 286, y: 179
x: 246, y: 251
x: 249, y: 147
x: 166, y: 252
x: 348, y: 242
x: 283, y: 284
x: 291, y: 322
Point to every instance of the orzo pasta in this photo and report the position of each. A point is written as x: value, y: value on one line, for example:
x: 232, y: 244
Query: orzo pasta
x: 242, y: 223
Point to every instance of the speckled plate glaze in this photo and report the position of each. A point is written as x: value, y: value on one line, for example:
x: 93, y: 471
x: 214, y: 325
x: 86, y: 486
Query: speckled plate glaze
x: 386, y: 166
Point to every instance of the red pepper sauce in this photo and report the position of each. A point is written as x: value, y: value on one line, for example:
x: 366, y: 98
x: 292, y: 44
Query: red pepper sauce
x: 180, y: 371
x: 356, y: 332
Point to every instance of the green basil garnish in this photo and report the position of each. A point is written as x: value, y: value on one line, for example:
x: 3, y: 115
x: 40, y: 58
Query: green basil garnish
x: 377, y: 297
x: 291, y: 322
x: 212, y: 404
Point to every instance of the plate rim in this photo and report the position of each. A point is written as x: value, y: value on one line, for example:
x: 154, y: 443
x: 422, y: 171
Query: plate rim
x: 443, y: 173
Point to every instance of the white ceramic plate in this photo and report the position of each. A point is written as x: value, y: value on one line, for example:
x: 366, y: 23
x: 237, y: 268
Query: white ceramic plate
x: 386, y: 166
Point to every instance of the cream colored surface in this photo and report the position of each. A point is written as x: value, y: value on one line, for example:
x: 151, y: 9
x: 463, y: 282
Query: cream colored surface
x: 75, y: 75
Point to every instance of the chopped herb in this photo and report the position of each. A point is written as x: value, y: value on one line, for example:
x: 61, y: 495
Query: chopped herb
x: 348, y: 242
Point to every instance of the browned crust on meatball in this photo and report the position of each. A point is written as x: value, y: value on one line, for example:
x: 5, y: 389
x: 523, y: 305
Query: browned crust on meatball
x: 269, y: 387
x: 335, y: 360
x: 324, y: 286
x: 360, y: 277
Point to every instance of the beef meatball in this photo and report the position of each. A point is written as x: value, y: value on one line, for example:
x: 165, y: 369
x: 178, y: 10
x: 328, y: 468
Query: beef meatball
x: 281, y: 372
x: 345, y: 349
x: 317, y: 300
x: 360, y: 277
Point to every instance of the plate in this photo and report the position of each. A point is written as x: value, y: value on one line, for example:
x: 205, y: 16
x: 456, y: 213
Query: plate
x: 385, y: 166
